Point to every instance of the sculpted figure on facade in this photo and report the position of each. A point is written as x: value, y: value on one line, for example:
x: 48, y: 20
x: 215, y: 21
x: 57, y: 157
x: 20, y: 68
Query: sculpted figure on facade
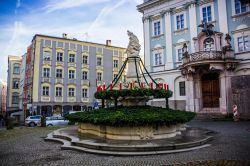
x: 134, y: 47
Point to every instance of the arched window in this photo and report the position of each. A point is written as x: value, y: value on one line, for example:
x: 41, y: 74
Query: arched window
x: 208, y: 44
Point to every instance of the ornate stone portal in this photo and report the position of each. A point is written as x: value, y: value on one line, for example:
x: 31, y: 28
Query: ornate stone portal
x: 209, y: 58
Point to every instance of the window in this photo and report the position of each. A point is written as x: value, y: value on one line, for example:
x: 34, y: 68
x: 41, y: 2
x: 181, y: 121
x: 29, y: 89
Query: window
x: 46, y: 55
x: 15, y: 98
x: 115, y: 63
x: 157, y: 28
x: 243, y: 43
x: 45, y: 91
x: 207, y: 14
x: 46, y: 72
x: 15, y: 83
x: 158, y: 59
x: 71, y: 92
x: 208, y: 44
x: 71, y: 74
x: 47, y: 43
x: 58, y: 73
x: 72, y: 58
x: 85, y: 60
x: 182, y: 88
x: 16, y: 69
x: 58, y: 91
x: 179, y: 51
x: 59, y: 56
x: 99, y: 61
x: 239, y: 8
x: 180, y: 21
x: 99, y: 76
x: 84, y: 75
x: 84, y: 93
x: 72, y: 46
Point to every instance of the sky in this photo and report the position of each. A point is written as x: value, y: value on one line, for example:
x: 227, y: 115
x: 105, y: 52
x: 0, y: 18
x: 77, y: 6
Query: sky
x: 88, y: 20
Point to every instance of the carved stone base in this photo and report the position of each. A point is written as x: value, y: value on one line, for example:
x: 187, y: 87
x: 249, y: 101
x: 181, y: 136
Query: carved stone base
x: 131, y: 133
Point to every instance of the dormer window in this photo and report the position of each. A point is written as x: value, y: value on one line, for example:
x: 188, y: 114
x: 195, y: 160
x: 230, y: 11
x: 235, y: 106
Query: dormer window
x: 208, y: 44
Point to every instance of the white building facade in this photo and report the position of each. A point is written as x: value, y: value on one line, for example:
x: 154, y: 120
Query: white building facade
x: 207, y: 78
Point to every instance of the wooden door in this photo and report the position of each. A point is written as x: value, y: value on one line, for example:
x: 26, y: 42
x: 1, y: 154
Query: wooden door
x: 210, y: 92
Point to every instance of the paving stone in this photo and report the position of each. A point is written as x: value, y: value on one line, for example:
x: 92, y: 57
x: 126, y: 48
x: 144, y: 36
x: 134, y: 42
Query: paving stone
x: 231, y: 146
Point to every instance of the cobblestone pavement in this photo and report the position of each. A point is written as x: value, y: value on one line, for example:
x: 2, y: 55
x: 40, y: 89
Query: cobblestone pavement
x: 231, y: 146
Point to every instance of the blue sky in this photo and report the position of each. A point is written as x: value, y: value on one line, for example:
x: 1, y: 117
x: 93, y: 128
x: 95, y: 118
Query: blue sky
x: 90, y: 20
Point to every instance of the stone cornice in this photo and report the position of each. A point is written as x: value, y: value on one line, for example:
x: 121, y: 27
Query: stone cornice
x: 241, y: 30
x: 203, y: 2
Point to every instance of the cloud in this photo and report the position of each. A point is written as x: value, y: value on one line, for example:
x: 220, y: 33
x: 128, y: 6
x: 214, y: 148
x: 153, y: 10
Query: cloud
x: 54, y: 5
x: 108, y: 20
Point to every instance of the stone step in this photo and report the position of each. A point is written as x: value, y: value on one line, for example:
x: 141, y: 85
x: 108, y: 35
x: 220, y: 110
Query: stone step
x: 209, y: 115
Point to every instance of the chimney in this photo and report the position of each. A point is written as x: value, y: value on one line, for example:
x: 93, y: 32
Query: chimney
x: 65, y: 35
x: 108, y: 42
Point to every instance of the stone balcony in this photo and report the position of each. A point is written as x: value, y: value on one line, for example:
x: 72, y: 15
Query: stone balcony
x: 203, y: 56
x: 214, y: 60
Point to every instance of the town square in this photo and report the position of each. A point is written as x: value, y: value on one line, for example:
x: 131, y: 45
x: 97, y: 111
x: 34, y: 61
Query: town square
x: 128, y: 82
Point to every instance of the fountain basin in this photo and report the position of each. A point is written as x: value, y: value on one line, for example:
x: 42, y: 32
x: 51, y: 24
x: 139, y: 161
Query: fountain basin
x: 131, y: 133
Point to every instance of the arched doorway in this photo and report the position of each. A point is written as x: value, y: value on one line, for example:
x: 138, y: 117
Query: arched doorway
x: 210, y: 90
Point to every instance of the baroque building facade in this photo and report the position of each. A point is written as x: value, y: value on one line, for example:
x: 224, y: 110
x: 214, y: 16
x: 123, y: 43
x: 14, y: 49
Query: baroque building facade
x: 62, y: 74
x: 13, y: 83
x: 214, y: 74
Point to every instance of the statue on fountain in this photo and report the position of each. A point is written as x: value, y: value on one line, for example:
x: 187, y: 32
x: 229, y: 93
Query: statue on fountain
x: 134, y: 47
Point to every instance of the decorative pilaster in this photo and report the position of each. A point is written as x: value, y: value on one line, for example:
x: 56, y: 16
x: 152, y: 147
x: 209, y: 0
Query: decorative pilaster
x: 192, y: 24
x: 147, y: 56
x: 223, y: 18
x: 168, y: 37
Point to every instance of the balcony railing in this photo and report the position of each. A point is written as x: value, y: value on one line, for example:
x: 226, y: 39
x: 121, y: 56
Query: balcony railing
x: 203, y: 55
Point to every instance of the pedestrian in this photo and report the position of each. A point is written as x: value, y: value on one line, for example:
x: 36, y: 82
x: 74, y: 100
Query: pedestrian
x: 235, y: 113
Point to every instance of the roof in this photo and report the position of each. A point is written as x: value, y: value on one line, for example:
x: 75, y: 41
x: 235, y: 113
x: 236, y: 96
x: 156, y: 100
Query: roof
x: 75, y: 40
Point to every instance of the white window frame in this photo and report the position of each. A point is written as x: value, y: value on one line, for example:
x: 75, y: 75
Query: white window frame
x: 61, y: 73
x: 212, y: 11
x: 243, y: 42
x: 115, y: 63
x: 47, y: 55
x: 72, y: 74
x: 71, y: 92
x: 85, y: 59
x: 153, y: 30
x: 45, y: 43
x: 45, y: 91
x: 59, y: 91
x: 97, y: 76
x: 85, y: 77
x: 16, y: 68
x: 72, y: 58
x: 85, y: 90
x: 57, y: 56
x: 46, y: 73
x: 184, y: 17
x: 97, y: 61
x: 160, y: 57
x: 234, y: 11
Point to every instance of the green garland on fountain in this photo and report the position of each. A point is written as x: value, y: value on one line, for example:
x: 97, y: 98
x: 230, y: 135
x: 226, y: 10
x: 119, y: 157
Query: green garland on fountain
x: 136, y: 92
